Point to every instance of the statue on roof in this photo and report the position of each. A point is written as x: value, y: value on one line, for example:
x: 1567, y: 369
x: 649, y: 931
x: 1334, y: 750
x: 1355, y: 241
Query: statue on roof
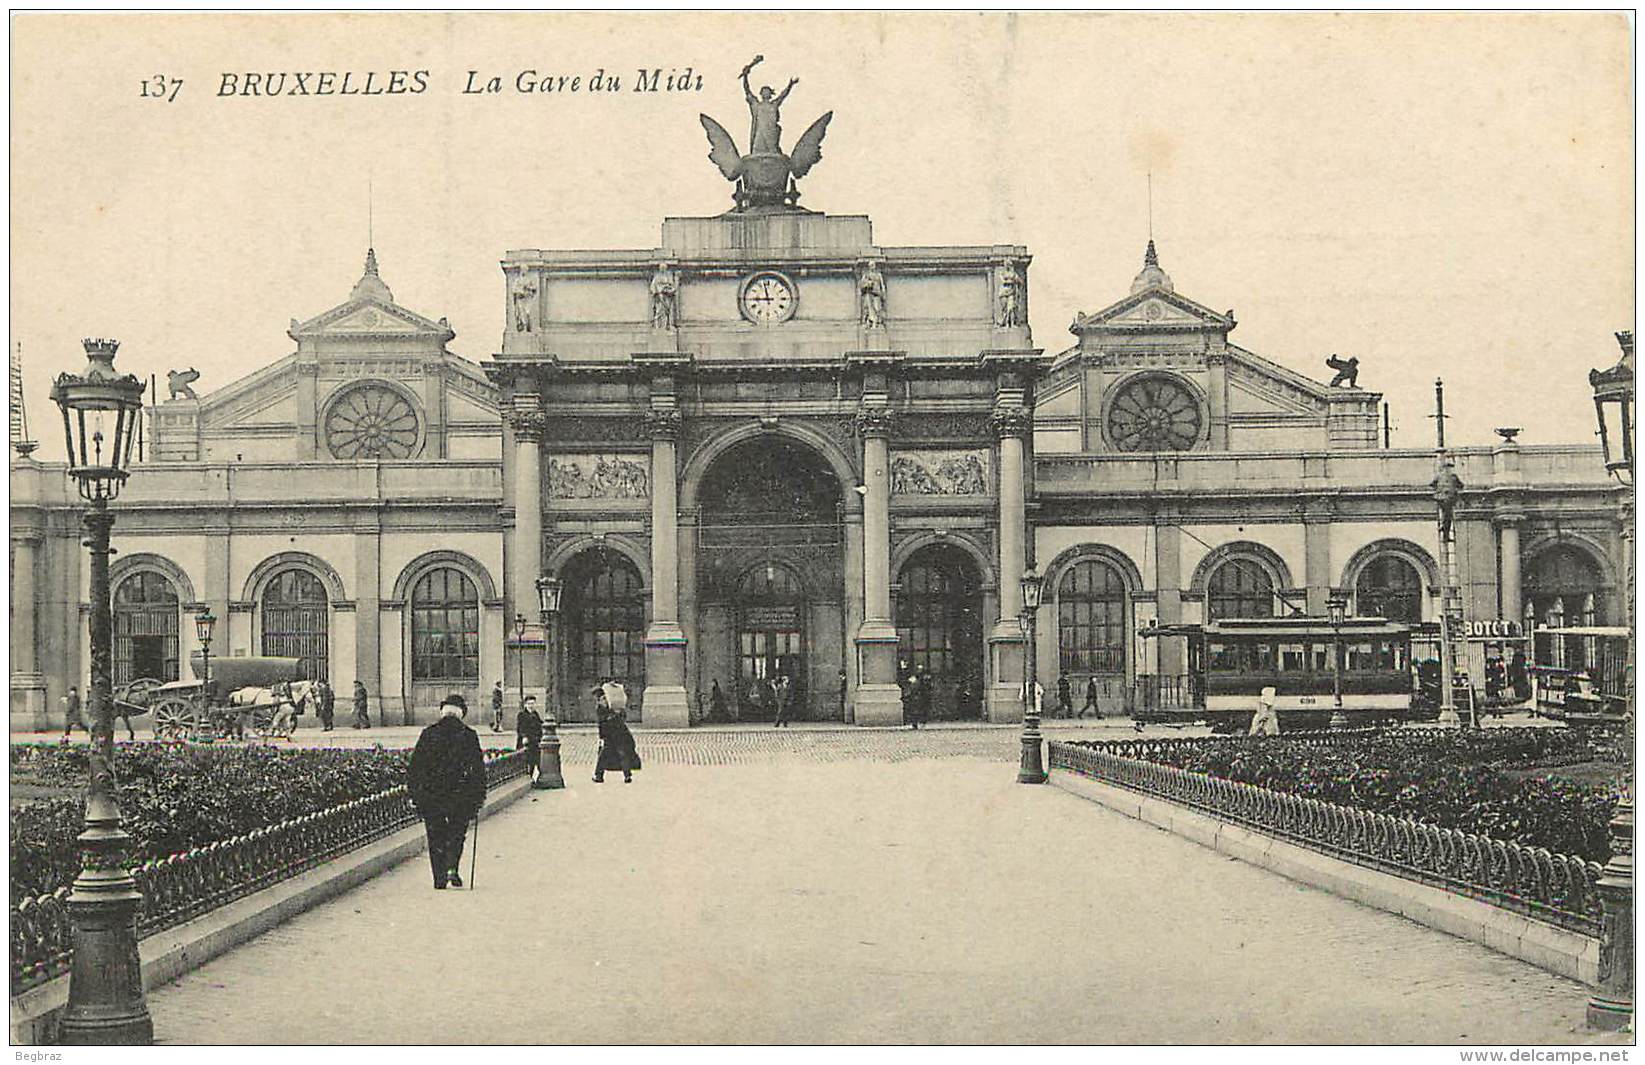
x: 1347, y: 370
x: 765, y: 177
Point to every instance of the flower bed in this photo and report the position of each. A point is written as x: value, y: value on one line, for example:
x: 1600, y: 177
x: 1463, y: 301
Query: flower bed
x: 1471, y: 781
x: 175, y: 797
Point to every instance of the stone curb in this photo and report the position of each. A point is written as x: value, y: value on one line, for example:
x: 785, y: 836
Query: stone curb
x: 1565, y: 953
x: 166, y: 955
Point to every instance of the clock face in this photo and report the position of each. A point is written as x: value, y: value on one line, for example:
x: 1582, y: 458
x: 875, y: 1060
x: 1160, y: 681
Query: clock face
x: 768, y: 298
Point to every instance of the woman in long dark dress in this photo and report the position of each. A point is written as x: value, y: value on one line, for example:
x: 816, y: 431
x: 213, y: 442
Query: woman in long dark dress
x: 617, y: 750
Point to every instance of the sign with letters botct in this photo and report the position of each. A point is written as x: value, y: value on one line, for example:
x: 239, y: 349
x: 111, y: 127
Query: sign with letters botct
x: 1496, y: 629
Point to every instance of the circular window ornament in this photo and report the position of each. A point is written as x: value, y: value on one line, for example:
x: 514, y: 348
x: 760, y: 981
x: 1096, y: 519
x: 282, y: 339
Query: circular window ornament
x: 372, y: 421
x: 767, y: 298
x: 1155, y: 414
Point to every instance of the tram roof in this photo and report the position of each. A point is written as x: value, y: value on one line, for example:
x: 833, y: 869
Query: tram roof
x: 1582, y: 630
x: 1279, y: 628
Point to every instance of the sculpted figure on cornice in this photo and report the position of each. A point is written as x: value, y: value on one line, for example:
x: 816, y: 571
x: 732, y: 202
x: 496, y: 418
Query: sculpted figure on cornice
x: 522, y: 293
x: 597, y: 477
x: 1011, y: 303
x: 665, y: 297
x: 871, y: 289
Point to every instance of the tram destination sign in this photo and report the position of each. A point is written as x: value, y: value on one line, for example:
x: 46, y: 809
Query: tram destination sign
x: 1495, y: 629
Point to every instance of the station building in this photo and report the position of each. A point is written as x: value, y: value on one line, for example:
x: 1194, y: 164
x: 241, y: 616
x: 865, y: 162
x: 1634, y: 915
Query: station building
x: 771, y: 445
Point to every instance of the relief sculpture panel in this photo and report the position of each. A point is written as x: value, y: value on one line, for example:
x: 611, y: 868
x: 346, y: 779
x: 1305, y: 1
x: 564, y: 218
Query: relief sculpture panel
x: 598, y: 477
x: 940, y: 473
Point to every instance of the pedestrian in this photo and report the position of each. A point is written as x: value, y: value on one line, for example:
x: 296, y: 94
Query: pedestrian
x: 71, y: 712
x: 1033, y: 698
x: 528, y: 732
x: 326, y: 702
x: 1065, y: 698
x: 1519, y: 678
x: 842, y: 695
x: 497, y: 707
x: 617, y: 750
x: 766, y: 698
x: 1266, y: 721
x: 783, y: 692
x: 1091, y: 699
x: 447, y: 782
x: 716, y: 702
x: 917, y: 705
x: 362, y: 719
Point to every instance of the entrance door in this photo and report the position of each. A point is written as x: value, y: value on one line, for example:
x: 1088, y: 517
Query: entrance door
x: 770, y: 641
x: 148, y: 656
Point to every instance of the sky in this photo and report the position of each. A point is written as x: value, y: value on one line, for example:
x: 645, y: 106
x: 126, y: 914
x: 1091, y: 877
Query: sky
x: 1438, y: 194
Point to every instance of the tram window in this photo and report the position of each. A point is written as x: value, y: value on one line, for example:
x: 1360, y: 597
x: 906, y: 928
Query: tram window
x: 1221, y: 657
x: 1319, y: 657
x: 1264, y: 657
x: 1362, y: 656
x: 1292, y: 657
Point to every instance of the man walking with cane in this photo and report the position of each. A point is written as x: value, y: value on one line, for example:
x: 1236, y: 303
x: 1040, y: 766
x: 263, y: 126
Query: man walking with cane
x: 447, y: 781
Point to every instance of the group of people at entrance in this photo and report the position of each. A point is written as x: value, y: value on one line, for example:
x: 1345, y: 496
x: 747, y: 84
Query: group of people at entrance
x: 766, y: 697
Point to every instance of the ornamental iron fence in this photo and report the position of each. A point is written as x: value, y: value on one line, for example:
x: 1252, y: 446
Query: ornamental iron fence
x: 189, y: 884
x: 1557, y: 889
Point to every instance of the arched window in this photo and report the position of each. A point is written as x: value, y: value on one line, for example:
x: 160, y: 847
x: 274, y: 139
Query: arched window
x: 146, y: 610
x: 445, y: 627
x: 605, y: 616
x: 1239, y: 588
x: 296, y: 621
x: 939, y: 626
x: 1389, y: 587
x: 1091, y: 621
x: 1563, y: 590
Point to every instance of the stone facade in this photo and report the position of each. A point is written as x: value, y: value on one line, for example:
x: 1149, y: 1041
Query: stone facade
x: 770, y: 445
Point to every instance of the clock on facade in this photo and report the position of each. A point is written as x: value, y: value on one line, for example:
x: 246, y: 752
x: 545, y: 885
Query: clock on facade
x: 767, y: 298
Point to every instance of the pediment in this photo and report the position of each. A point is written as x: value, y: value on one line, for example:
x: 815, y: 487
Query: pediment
x: 1260, y: 386
x: 366, y: 317
x: 1154, y: 308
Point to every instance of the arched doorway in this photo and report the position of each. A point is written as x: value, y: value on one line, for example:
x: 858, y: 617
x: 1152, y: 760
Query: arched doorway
x: 771, y: 618
x: 296, y: 621
x: 445, y: 637
x: 1093, y: 623
x: 1563, y: 589
x: 938, y: 613
x: 146, y: 612
x: 1389, y: 587
x: 770, y: 578
x: 604, y: 632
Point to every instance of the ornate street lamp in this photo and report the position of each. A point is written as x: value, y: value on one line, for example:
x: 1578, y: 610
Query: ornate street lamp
x: 1337, y: 606
x: 204, y: 623
x: 1033, y: 761
x: 519, y: 651
x: 1611, y: 1006
x: 106, y: 1004
x: 549, y: 590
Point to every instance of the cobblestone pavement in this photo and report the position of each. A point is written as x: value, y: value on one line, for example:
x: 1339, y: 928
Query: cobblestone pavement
x: 797, y: 900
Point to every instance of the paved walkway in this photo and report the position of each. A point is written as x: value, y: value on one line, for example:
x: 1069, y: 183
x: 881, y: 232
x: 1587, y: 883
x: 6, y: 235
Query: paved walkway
x: 797, y: 898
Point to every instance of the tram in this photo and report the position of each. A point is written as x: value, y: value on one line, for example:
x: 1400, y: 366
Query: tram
x: 1580, y: 674
x: 1231, y: 660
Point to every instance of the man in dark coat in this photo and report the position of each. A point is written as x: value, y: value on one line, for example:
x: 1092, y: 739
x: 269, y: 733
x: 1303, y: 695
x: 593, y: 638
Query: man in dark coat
x: 1065, y: 698
x: 71, y: 712
x: 362, y: 716
x: 917, y: 699
x: 447, y: 781
x: 327, y: 701
x: 528, y: 732
x: 617, y: 750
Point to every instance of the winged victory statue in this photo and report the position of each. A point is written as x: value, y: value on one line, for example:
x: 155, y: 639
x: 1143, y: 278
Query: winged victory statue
x: 766, y: 176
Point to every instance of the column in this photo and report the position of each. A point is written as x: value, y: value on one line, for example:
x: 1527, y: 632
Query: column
x: 389, y: 707
x: 1012, y: 422
x: 28, y: 686
x: 308, y: 411
x: 666, y: 705
x: 523, y: 667
x: 1168, y: 589
x: 1511, y: 597
x: 879, y: 699
x: 1316, y: 555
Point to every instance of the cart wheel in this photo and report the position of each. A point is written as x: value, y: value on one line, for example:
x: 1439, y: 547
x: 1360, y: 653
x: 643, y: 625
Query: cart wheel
x: 137, y: 691
x: 175, y: 718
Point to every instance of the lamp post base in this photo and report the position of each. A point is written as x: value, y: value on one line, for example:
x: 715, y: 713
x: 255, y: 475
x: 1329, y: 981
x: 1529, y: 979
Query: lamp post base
x: 1339, y: 720
x: 1033, y: 758
x: 549, y: 776
x: 1449, y: 718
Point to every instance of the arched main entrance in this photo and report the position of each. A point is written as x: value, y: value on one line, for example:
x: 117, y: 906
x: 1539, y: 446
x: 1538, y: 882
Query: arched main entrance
x: 604, y: 632
x: 770, y: 579
x: 939, y: 628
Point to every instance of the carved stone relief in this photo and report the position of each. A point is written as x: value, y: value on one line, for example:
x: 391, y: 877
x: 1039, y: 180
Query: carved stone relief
x: 597, y: 477
x: 940, y: 473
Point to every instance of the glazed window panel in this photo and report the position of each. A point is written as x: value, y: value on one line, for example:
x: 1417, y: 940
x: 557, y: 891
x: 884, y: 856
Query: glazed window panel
x: 1240, y: 588
x: 936, y: 612
x: 1389, y: 587
x: 607, y: 611
x: 445, y: 627
x: 1091, y: 619
x: 296, y: 621
x: 146, y: 618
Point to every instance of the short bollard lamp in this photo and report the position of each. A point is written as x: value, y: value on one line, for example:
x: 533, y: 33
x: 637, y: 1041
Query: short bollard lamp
x: 1033, y: 755
x: 549, y: 775
x: 204, y: 624
x: 1337, y: 607
x: 106, y: 1004
x: 1611, y: 1005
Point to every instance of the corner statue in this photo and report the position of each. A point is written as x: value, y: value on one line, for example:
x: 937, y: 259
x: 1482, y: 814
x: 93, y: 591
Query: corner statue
x: 765, y: 176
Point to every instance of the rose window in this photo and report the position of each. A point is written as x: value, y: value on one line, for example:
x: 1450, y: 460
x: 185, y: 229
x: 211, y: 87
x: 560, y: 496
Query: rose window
x: 371, y: 421
x: 1154, y: 414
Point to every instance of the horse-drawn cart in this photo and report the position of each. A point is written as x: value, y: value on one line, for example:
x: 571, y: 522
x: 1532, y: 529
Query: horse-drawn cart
x: 244, y: 693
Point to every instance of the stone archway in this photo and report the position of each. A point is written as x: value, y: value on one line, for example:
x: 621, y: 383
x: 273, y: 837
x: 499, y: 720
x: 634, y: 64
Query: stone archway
x: 770, y: 512
x: 938, y: 611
